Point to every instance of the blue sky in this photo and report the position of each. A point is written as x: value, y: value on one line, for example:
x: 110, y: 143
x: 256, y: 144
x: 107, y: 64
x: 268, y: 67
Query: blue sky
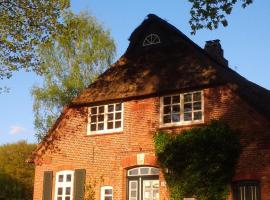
x: 245, y: 41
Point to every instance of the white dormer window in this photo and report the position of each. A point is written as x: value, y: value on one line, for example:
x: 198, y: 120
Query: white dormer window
x: 181, y: 109
x: 105, y: 119
x: 151, y: 40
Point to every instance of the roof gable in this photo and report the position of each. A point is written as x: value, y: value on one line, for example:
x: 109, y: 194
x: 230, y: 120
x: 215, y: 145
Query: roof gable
x: 176, y: 64
x: 167, y: 34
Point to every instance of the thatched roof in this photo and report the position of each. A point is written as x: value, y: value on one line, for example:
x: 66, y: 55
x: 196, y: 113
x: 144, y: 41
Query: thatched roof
x: 176, y: 64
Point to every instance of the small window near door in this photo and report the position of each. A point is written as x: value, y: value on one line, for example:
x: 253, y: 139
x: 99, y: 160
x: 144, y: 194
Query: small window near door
x: 246, y: 190
x: 107, y: 193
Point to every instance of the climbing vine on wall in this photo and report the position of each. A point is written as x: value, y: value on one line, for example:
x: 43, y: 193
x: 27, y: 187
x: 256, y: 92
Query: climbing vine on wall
x: 199, y: 162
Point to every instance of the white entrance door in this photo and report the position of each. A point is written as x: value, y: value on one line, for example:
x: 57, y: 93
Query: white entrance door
x: 150, y: 190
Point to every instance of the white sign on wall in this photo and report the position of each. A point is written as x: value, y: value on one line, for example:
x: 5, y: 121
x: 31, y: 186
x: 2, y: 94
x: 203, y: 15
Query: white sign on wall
x: 140, y: 159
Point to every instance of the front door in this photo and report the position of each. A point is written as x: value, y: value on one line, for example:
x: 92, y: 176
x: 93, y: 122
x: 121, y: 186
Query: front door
x: 143, y: 184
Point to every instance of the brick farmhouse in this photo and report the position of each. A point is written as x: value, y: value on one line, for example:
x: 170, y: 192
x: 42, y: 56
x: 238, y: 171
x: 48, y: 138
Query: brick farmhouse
x: 164, y: 81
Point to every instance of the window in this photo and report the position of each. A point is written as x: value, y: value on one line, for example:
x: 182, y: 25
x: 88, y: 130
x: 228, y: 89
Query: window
x: 151, y: 39
x: 107, y: 193
x: 246, y: 190
x: 64, y: 185
x: 105, y: 118
x: 182, y: 108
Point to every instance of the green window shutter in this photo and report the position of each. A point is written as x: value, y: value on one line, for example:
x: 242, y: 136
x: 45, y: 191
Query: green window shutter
x: 79, y: 180
x: 47, y: 185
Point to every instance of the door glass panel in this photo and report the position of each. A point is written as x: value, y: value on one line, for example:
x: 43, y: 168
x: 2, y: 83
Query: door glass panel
x: 133, y: 190
x: 150, y: 189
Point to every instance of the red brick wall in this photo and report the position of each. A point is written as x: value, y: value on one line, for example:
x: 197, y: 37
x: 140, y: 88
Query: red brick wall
x: 106, y: 157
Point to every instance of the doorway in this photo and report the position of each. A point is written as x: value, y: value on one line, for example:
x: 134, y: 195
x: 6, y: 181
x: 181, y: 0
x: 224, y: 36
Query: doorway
x: 143, y: 183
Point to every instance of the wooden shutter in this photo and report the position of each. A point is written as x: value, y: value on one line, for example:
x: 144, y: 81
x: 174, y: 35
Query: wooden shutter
x: 79, y: 181
x: 47, y: 185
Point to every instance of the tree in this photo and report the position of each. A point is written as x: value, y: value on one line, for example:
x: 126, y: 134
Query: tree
x: 211, y: 13
x: 70, y: 62
x: 16, y: 176
x: 23, y: 25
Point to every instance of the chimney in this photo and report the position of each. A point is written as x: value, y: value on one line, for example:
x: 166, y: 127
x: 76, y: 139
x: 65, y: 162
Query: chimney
x: 213, y: 48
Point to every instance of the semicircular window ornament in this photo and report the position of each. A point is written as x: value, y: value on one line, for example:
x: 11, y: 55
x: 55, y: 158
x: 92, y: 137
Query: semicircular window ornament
x: 151, y: 39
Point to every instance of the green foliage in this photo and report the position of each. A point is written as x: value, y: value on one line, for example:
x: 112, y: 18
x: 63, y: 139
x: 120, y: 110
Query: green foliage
x: 16, y: 176
x: 211, y: 13
x: 200, y: 161
x: 70, y: 62
x: 90, y: 188
x: 23, y: 25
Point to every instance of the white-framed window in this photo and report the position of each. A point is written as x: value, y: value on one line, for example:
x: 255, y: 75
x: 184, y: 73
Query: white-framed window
x: 106, y: 193
x: 151, y: 39
x: 105, y: 118
x: 64, y: 185
x: 180, y: 109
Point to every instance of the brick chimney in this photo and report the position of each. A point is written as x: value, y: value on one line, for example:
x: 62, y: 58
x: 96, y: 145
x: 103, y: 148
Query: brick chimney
x: 213, y: 48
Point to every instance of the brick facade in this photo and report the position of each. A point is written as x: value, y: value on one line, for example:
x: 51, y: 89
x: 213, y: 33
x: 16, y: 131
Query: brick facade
x: 106, y: 157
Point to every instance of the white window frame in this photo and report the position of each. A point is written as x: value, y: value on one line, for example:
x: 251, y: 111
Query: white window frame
x: 102, y: 192
x: 182, y: 122
x: 105, y: 130
x: 64, y: 184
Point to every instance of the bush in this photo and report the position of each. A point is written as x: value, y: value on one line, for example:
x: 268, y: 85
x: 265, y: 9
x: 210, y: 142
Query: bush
x: 199, y: 162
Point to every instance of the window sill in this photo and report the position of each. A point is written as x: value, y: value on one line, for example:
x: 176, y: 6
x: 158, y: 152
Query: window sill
x: 107, y: 132
x: 178, y: 124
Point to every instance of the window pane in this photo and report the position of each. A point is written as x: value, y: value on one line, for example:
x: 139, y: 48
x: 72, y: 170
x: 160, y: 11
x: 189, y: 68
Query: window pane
x: 69, y: 178
x: 93, y: 127
x: 93, y: 118
x: 176, y: 117
x: 197, y: 96
x: 167, y: 119
x: 94, y: 110
x: 167, y: 109
x: 108, y: 191
x: 187, y: 98
x: 176, y: 109
x: 67, y: 198
x: 110, y: 108
x: 144, y: 170
x: 110, y: 117
x: 118, y: 124
x: 68, y: 190
x: 197, y: 115
x: 60, y: 179
x: 118, y: 115
x: 154, y: 171
x: 133, y: 172
x: 176, y: 99
x: 100, y: 118
x: 108, y: 198
x: 197, y: 106
x: 118, y: 107
x: 166, y: 100
x: 101, y: 126
x: 101, y: 109
x: 187, y: 116
x: 133, y: 185
x: 60, y: 191
x: 133, y: 194
x: 59, y: 198
x: 110, y: 125
x: 187, y: 107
